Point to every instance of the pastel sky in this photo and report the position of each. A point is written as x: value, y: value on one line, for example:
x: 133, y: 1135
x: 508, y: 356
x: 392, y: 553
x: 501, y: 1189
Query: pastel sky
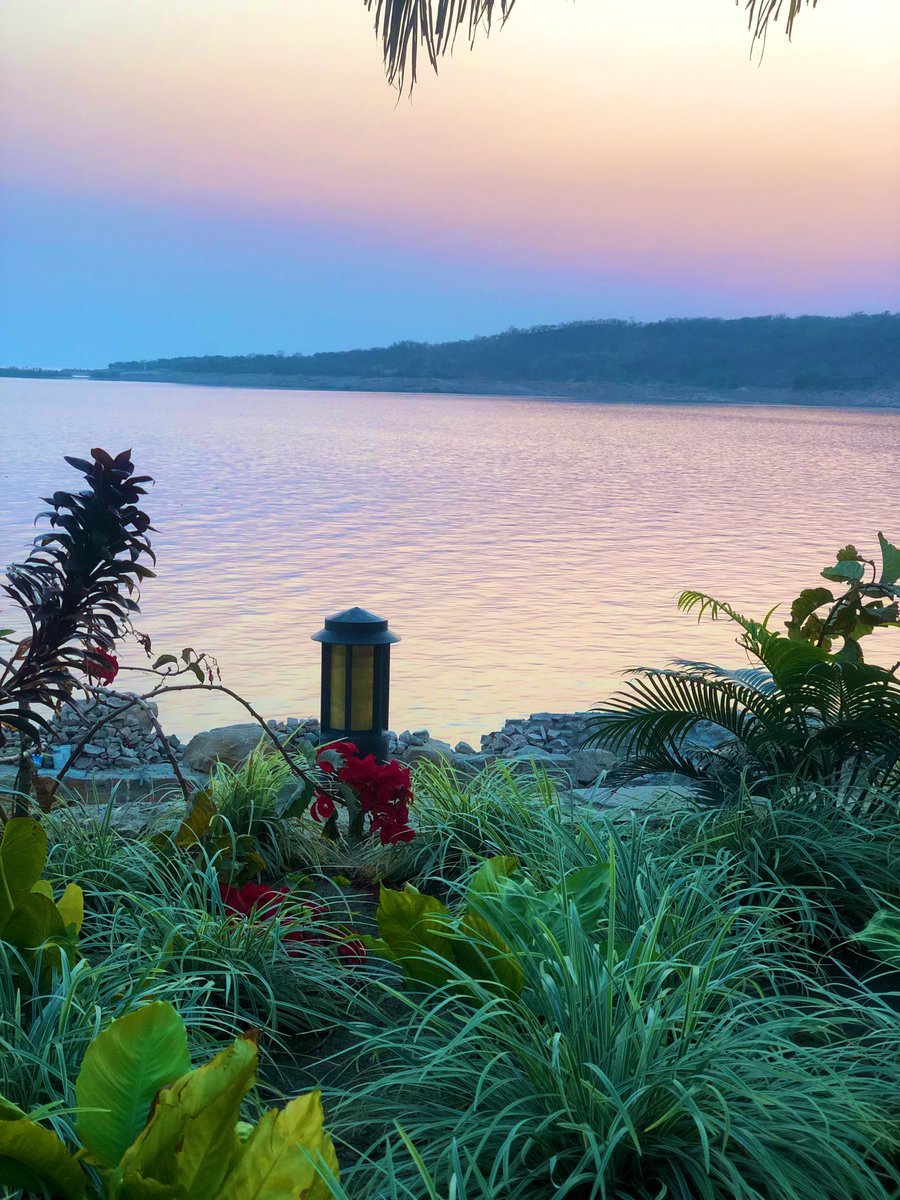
x: 226, y: 176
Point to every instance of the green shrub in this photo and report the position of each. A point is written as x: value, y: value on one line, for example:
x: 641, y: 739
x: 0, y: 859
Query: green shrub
x: 801, y: 718
x: 833, y: 866
x: 681, y: 1060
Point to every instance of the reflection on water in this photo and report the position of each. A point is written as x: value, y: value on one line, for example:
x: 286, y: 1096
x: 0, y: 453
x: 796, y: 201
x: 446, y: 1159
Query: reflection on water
x: 528, y: 552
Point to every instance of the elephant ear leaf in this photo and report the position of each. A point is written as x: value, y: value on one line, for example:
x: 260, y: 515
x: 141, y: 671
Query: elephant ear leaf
x: 416, y: 934
x: 70, y: 906
x: 890, y: 562
x: 123, y: 1070
x: 882, y: 936
x: 487, y: 879
x: 23, y: 853
x: 190, y: 1141
x: 34, y: 1160
x: 277, y: 1160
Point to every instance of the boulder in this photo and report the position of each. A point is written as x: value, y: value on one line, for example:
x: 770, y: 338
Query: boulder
x: 589, y: 765
x: 431, y: 750
x: 229, y: 744
x: 639, y: 796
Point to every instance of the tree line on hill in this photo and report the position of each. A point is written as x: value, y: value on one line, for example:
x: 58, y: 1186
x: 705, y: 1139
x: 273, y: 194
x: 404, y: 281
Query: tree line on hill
x: 858, y: 353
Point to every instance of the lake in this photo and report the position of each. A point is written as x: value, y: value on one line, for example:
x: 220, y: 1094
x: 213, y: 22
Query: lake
x: 528, y: 552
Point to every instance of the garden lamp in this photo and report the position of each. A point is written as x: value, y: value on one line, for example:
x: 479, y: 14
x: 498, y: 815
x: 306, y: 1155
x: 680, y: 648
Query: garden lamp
x: 356, y: 678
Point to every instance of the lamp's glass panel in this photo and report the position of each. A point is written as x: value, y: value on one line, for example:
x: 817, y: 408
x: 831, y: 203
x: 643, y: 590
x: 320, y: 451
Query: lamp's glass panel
x: 362, y: 688
x: 338, y: 685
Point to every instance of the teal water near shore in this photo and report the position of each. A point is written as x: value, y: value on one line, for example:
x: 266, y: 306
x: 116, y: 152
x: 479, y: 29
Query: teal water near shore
x: 527, y: 551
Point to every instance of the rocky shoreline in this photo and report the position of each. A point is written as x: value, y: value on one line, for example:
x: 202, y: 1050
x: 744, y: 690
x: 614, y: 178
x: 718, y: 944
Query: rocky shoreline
x: 128, y: 742
x: 124, y: 762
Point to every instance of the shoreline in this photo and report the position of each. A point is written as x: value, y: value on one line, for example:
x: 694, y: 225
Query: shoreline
x: 880, y: 400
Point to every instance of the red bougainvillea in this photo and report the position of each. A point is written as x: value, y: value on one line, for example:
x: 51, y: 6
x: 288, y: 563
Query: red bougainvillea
x: 261, y: 902
x: 102, y: 668
x: 383, y: 791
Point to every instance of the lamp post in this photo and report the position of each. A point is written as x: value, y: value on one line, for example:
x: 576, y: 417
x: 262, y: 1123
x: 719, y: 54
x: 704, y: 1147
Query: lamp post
x: 356, y: 678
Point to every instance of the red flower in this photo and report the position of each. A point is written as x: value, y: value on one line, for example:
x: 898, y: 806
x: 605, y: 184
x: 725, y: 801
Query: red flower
x: 256, y: 898
x: 352, y: 952
x: 344, y: 749
x: 104, y: 671
x: 322, y: 807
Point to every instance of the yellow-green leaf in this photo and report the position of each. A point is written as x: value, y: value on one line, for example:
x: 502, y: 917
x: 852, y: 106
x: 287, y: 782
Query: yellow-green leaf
x: 123, y: 1069
x: 190, y: 1140
x: 31, y: 1155
x: 70, y: 906
x: 276, y: 1161
x: 23, y: 853
x: 890, y: 561
x: 196, y: 824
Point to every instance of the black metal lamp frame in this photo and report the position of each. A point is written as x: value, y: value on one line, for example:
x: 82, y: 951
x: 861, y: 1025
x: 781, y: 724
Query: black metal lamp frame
x: 355, y: 630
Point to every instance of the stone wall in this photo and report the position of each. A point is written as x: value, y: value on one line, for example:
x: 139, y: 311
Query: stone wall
x: 124, y: 742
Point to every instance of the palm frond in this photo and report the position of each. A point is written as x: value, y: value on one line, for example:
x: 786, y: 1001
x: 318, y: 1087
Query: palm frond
x: 763, y: 13
x: 408, y: 26
x: 757, y: 678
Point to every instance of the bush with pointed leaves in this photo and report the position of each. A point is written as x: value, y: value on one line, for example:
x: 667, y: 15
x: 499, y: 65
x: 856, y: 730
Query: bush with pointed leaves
x: 800, y: 718
x: 78, y: 589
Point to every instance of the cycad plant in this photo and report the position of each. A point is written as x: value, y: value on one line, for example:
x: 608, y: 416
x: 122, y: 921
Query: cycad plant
x: 799, y: 717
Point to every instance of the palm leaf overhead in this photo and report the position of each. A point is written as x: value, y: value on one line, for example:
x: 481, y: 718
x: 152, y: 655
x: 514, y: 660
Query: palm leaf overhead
x: 410, y: 27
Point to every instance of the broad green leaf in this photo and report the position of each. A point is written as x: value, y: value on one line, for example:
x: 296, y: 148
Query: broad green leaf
x: 196, y: 824
x: 275, y: 1160
x: 890, y: 561
x: 849, y: 571
x: 409, y: 923
x: 482, y: 953
x: 70, y: 906
x: 807, y: 602
x: 190, y: 1140
x: 35, y: 922
x: 882, y: 936
x: 588, y: 889
x: 492, y: 870
x: 23, y: 853
x: 850, y: 651
x: 123, y: 1069
x: 848, y: 554
x: 10, y: 1111
x: 163, y: 661
x: 30, y: 1154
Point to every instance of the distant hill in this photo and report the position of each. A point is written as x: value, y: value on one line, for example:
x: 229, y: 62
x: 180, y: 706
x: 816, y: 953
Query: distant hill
x: 803, y: 355
x: 859, y: 352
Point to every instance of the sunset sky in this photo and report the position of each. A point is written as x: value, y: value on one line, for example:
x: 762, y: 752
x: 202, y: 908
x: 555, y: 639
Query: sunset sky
x: 226, y: 176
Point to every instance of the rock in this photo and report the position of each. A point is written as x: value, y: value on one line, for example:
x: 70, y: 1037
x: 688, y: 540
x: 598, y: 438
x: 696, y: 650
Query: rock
x: 432, y: 750
x: 464, y: 748
x: 230, y: 744
x: 638, y: 796
x: 588, y: 765
x: 134, y: 818
x: 468, y: 764
x: 535, y: 758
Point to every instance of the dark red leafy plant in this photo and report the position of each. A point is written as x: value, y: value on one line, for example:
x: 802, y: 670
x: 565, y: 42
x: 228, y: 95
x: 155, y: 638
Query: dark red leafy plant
x: 262, y: 902
x: 78, y: 589
x: 378, y: 795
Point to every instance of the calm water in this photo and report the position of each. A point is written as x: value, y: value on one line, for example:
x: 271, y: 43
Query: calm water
x: 528, y: 552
